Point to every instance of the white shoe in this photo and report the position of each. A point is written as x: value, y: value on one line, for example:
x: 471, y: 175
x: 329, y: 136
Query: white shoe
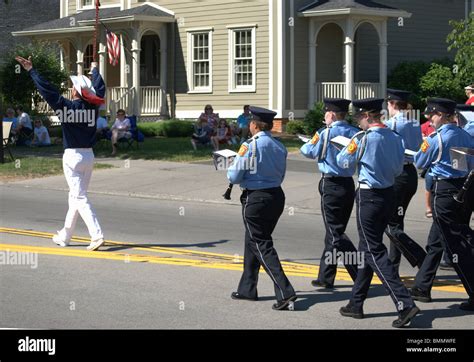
x: 60, y: 241
x: 96, y: 244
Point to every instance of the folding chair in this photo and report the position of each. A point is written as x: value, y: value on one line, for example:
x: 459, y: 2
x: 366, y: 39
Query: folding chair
x: 7, y: 126
x: 137, y: 136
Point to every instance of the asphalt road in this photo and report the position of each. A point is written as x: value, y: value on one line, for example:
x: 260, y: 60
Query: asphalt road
x: 71, y: 288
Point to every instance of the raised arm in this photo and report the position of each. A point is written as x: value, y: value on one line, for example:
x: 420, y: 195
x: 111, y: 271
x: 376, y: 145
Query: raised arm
x: 97, y: 81
x: 49, y: 92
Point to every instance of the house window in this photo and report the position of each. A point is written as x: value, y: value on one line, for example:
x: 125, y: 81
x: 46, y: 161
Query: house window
x: 85, y: 4
x: 88, y: 57
x: 200, y: 61
x: 242, y: 59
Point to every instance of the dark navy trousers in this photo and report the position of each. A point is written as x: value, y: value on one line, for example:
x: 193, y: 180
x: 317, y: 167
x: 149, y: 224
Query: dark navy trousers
x: 450, y: 232
x: 261, y: 210
x: 374, y: 209
x: 337, y: 201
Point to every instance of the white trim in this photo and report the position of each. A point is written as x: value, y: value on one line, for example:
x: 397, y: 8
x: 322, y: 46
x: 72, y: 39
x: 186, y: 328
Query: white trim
x: 292, y: 55
x: 199, y: 30
x: 237, y: 26
x: 189, y: 39
x: 156, y: 6
x: 351, y: 11
x: 231, y: 75
x: 281, y: 54
x: 53, y: 31
x: 270, y: 54
x: 121, y: 19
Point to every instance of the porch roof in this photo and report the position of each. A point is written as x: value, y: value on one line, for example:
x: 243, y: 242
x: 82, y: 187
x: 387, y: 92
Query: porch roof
x: 84, y: 20
x: 350, y: 7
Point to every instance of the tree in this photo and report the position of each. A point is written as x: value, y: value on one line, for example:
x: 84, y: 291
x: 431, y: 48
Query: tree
x: 440, y: 81
x: 16, y: 85
x: 461, y: 39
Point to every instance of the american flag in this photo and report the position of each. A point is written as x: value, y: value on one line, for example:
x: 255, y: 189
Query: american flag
x: 113, y: 46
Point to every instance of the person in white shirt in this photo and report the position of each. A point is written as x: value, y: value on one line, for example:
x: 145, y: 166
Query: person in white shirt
x: 102, y: 127
x: 41, y: 135
x: 25, y: 127
x: 120, y: 129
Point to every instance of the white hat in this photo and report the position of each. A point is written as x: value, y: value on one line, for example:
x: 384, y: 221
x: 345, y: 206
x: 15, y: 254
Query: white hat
x: 469, y: 87
x: 80, y: 82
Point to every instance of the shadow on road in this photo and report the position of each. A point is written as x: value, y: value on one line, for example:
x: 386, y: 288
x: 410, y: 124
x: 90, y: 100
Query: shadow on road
x: 210, y: 244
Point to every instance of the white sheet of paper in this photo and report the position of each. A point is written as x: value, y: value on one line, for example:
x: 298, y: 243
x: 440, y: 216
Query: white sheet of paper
x: 344, y: 141
x: 226, y: 153
x: 304, y: 138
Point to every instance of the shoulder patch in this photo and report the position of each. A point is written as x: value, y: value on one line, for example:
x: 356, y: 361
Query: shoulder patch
x: 243, y: 150
x: 352, y: 147
x: 315, y: 139
x: 424, y: 146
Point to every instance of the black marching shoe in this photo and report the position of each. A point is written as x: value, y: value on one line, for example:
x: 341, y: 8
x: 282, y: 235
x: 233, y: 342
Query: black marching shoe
x: 446, y: 266
x: 318, y: 283
x: 405, y: 317
x: 285, y: 304
x: 351, y: 311
x: 238, y: 296
x: 468, y: 306
x: 420, y: 295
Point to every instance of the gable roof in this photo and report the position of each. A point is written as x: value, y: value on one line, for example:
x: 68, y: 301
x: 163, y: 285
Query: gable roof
x: 88, y: 16
x: 344, y: 4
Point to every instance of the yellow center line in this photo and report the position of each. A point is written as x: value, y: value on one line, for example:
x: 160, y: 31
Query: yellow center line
x: 211, y: 261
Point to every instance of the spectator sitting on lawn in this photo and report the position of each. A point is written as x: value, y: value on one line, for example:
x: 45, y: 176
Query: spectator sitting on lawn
x: 41, y: 135
x: 25, y: 127
x: 202, y: 134
x: 223, y: 135
x: 120, y: 129
x: 102, y: 127
x: 10, y: 117
x: 243, y: 124
x: 210, y: 117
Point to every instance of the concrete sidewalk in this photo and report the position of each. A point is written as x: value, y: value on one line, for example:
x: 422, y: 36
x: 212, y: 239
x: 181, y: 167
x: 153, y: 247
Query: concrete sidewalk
x: 200, y: 182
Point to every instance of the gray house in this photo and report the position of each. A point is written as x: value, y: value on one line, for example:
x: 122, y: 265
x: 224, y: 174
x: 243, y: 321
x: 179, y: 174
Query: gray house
x: 178, y: 55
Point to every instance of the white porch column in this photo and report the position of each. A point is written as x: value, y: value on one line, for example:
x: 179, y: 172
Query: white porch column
x: 163, y: 33
x: 136, y: 69
x: 349, y: 62
x: 312, y: 64
x: 124, y: 66
x: 79, y: 58
x: 383, y: 59
x: 103, y: 57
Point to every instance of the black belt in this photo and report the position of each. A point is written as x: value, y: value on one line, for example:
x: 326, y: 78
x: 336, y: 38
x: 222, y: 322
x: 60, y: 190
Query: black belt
x: 272, y: 189
x: 326, y: 175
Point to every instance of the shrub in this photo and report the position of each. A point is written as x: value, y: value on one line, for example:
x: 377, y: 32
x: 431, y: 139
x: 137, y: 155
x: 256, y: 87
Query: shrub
x: 295, y: 127
x: 314, y: 119
x: 440, y: 81
x: 170, y: 128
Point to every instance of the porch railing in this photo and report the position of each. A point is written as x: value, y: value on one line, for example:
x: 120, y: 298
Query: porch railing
x: 151, y: 100
x: 121, y: 98
x: 338, y: 90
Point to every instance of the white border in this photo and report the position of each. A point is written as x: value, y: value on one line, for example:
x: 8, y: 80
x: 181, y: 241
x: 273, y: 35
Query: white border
x: 231, y: 78
x: 270, y: 55
x: 189, y: 72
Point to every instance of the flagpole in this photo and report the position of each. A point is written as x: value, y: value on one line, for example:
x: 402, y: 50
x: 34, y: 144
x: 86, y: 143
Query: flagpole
x: 96, y: 30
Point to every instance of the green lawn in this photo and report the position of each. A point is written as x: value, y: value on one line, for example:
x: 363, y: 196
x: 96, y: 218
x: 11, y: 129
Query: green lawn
x: 32, y: 167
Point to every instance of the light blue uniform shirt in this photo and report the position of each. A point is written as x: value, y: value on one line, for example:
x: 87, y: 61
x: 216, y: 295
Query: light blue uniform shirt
x: 269, y: 167
x: 409, y: 130
x: 327, y: 163
x: 469, y: 128
x: 451, y: 136
x: 381, y: 159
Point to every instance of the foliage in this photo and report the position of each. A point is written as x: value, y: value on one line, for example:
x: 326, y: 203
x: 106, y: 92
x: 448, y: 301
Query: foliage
x: 314, y: 119
x: 440, y: 81
x: 16, y: 86
x: 171, y: 128
x: 295, y: 127
x: 461, y: 39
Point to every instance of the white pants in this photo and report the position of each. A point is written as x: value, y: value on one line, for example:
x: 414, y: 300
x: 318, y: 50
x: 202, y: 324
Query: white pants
x: 77, y: 165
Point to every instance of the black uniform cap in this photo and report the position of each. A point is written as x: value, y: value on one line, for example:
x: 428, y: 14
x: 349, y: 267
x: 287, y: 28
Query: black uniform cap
x: 464, y: 108
x: 398, y: 95
x: 368, y: 105
x: 265, y: 115
x: 336, y: 104
x: 443, y: 105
